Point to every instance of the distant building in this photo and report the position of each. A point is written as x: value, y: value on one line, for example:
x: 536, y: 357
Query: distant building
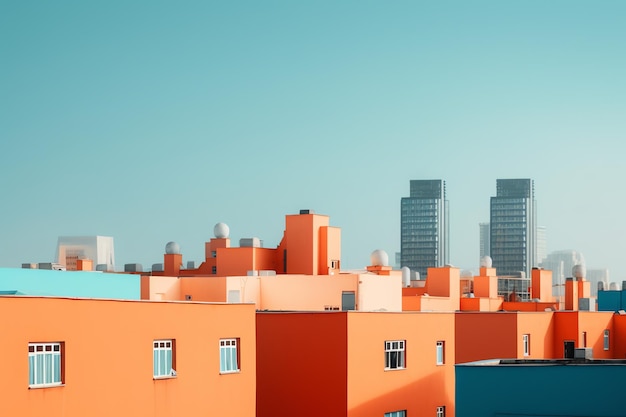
x: 596, y: 275
x: 513, y: 238
x: 542, y: 244
x: 98, y: 249
x: 484, y: 240
x: 424, y: 226
x: 561, y: 263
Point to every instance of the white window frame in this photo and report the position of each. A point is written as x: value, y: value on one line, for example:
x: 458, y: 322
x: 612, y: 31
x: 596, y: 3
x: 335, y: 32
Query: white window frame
x: 395, y: 354
x: 607, y: 340
x: 162, y: 365
x: 400, y: 413
x: 229, y: 356
x: 441, y: 411
x: 42, y: 358
x: 526, y: 343
x: 441, y: 358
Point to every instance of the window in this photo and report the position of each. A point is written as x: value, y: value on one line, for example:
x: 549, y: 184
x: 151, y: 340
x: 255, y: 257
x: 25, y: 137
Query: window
x: 394, y: 354
x: 584, y: 339
x: 441, y: 411
x: 526, y: 340
x: 396, y: 414
x: 163, y: 358
x: 45, y: 364
x: 213, y: 254
x: 440, y: 352
x: 214, y: 270
x: 606, y: 340
x: 229, y: 355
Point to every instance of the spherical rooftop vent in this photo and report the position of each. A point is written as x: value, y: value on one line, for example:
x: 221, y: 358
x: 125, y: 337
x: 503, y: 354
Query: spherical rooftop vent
x: 172, y: 248
x: 579, y: 271
x: 486, y: 262
x: 379, y: 258
x: 221, y: 230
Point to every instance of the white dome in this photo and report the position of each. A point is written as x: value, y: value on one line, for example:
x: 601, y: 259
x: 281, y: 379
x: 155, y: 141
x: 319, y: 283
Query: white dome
x: 221, y: 230
x: 172, y: 248
x: 579, y: 271
x: 486, y: 262
x: 379, y: 258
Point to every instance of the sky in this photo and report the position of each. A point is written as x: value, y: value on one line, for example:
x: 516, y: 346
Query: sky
x: 151, y: 121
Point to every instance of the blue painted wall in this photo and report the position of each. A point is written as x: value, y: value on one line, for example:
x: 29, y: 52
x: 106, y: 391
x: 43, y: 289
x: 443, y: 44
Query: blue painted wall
x: 611, y: 300
x: 540, y: 390
x: 70, y: 283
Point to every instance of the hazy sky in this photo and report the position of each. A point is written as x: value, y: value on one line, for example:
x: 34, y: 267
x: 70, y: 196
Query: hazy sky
x: 151, y: 121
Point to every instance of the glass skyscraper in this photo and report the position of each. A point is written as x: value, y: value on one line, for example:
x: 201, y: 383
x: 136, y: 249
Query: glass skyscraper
x: 513, y: 240
x: 424, y: 226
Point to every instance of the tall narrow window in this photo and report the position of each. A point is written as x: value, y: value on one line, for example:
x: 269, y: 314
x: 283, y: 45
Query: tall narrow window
x: 45, y: 364
x: 441, y: 411
x: 584, y: 339
x: 163, y: 358
x: 526, y: 341
x: 229, y: 355
x: 395, y: 354
x: 440, y: 352
x: 606, y: 340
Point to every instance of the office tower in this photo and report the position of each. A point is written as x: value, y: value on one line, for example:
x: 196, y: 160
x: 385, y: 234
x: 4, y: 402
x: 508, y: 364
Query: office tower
x: 424, y: 226
x: 99, y: 249
x: 513, y: 241
x: 561, y: 263
x: 484, y: 239
x: 542, y: 244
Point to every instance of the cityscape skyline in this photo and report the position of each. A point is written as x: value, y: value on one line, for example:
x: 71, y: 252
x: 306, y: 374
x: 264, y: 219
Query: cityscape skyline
x: 181, y: 118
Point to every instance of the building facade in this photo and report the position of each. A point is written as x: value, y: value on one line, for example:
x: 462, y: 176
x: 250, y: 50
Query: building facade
x: 513, y: 240
x: 485, y: 236
x: 424, y: 226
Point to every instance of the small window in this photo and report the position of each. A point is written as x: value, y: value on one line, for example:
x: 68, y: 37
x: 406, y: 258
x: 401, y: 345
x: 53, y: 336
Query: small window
x: 214, y: 269
x: 440, y: 352
x: 441, y: 411
x: 606, y: 340
x: 526, y: 341
x: 213, y: 254
x: 45, y: 364
x: 395, y: 354
x: 584, y: 339
x: 163, y: 358
x: 229, y: 355
x: 401, y: 413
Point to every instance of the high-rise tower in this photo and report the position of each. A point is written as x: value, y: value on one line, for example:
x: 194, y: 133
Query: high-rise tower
x: 513, y: 227
x: 424, y: 226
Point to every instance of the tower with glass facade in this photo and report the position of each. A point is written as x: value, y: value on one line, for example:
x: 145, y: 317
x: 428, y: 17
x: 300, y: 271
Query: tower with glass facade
x: 513, y: 230
x: 424, y: 226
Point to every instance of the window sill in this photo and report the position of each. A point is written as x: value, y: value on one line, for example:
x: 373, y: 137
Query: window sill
x: 157, y: 378
x: 230, y: 372
x: 394, y: 369
x: 45, y: 386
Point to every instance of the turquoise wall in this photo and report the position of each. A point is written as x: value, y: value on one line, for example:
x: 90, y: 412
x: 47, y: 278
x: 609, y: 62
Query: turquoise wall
x: 70, y: 283
x: 610, y: 300
x: 540, y: 390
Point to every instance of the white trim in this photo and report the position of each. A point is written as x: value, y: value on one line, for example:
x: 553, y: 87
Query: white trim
x: 228, y: 348
x: 397, y: 361
x: 43, y: 357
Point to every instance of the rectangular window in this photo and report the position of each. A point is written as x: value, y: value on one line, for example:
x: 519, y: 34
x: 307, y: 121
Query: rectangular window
x: 441, y: 411
x: 214, y: 270
x: 45, y: 364
x: 401, y: 413
x: 584, y: 339
x: 606, y: 340
x: 229, y: 355
x: 395, y: 354
x: 163, y: 358
x: 526, y: 340
x: 440, y: 352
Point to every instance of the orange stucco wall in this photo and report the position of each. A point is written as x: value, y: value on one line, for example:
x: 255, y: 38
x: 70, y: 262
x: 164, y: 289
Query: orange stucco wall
x: 540, y: 327
x: 302, y: 235
x: 302, y: 364
x: 422, y: 386
x: 211, y: 289
x: 330, y: 248
x: 485, y: 335
x: 108, y: 358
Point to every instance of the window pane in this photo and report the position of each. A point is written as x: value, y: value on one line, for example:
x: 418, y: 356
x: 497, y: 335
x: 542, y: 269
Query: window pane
x: 31, y: 370
x: 222, y: 360
x: 155, y: 362
x: 168, y: 362
x: 57, y: 368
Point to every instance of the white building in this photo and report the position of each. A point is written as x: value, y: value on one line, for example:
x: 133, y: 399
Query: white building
x: 97, y: 248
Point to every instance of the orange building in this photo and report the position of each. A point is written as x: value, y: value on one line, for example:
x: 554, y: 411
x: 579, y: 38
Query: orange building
x: 84, y: 357
x: 355, y: 364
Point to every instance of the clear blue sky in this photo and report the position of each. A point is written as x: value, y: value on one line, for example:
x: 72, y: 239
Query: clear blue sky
x: 151, y: 121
